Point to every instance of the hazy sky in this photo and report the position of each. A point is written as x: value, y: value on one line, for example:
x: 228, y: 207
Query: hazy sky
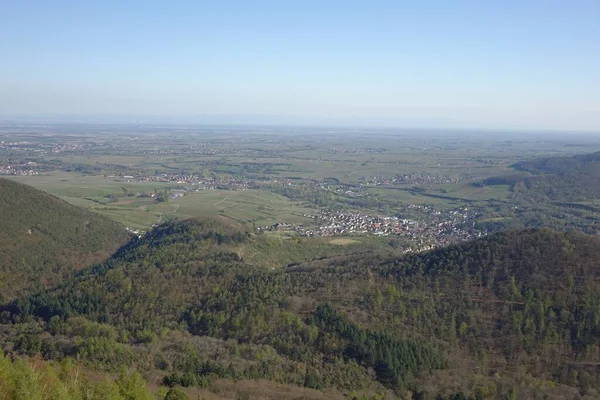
x: 484, y: 63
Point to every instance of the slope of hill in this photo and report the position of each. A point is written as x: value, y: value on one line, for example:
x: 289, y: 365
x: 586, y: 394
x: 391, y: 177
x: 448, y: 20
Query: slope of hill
x: 510, y: 315
x: 35, y: 379
x: 43, y: 239
x: 560, y: 179
x: 586, y: 164
x: 557, y: 192
x: 553, y: 179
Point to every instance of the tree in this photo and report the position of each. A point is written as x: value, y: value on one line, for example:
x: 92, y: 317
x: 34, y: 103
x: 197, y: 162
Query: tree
x: 24, y: 382
x: 176, y: 394
x: 132, y: 386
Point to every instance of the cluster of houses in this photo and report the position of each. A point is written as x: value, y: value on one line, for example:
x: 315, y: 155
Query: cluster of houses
x: 18, y: 145
x: 202, y: 150
x: 172, y: 178
x: 27, y: 169
x: 197, y: 182
x: 52, y: 146
x: 440, y: 228
x: 415, y: 178
x: 136, y: 232
x: 354, y: 150
x: 331, y: 223
x: 59, y: 148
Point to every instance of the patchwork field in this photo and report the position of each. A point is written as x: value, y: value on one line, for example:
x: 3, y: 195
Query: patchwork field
x: 246, y: 206
x: 255, y: 206
x: 266, y: 175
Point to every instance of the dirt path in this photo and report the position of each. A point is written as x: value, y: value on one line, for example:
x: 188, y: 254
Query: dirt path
x: 219, y: 202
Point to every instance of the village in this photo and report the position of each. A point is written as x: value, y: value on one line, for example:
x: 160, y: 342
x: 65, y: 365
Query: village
x: 355, y: 151
x: 440, y: 228
x: 197, y: 182
x: 423, y: 226
x: 414, y: 178
x: 22, y: 169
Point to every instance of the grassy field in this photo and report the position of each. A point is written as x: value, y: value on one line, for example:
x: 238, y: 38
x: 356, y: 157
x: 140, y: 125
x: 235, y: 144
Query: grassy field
x: 249, y: 206
x: 343, y: 241
x: 405, y: 196
x: 246, y: 206
x: 69, y: 185
x: 256, y: 206
x: 476, y: 193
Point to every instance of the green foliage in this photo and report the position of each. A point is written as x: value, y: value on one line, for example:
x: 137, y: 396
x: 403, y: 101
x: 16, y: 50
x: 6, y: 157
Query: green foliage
x: 560, y: 179
x: 184, y: 299
x: 44, y: 239
x: 176, y: 394
x: 23, y: 379
x: 132, y: 386
x: 393, y: 359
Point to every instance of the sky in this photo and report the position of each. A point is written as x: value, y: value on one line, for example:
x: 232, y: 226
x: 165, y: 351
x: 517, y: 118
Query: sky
x: 510, y: 64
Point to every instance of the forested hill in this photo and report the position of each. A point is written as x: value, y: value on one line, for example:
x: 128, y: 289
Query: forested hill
x: 512, y: 315
x: 44, y: 239
x: 560, y: 179
x: 588, y: 164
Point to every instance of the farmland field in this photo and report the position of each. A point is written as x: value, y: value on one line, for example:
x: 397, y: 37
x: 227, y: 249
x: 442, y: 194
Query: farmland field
x: 263, y: 176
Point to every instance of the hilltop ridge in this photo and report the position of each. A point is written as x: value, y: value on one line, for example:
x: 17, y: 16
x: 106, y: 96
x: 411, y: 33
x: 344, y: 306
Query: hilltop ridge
x: 560, y: 179
x: 43, y: 239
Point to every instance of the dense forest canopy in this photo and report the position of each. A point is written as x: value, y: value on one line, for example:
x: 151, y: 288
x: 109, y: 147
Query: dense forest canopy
x: 588, y: 164
x: 44, y: 239
x: 554, y: 179
x: 511, y: 314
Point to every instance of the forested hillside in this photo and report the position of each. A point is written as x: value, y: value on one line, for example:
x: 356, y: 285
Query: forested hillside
x: 512, y: 315
x: 35, y: 379
x: 588, y: 164
x: 557, y: 192
x: 553, y: 179
x: 560, y: 179
x: 44, y: 239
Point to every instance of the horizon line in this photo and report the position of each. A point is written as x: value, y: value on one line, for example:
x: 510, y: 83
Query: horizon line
x: 275, y: 121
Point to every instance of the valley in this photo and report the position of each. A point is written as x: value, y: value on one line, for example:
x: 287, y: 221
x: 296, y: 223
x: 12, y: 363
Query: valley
x: 247, y: 262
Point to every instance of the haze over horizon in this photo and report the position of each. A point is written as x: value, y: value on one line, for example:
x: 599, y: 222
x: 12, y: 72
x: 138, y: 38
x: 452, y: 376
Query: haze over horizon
x: 515, y: 65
